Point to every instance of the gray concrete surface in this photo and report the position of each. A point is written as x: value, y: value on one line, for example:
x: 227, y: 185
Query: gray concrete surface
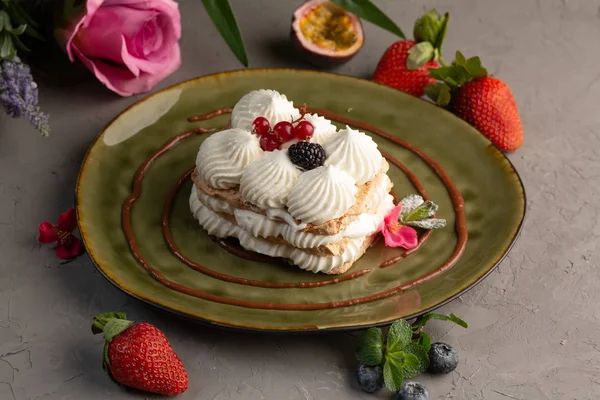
x: 535, y: 322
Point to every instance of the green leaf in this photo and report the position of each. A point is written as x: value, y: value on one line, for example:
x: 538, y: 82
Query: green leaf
x: 429, y: 223
x: 366, y: 10
x: 401, y: 365
x: 20, y: 44
x: 421, y: 322
x: 222, y: 16
x: 423, y: 211
x: 399, y: 335
x: 460, y: 59
x: 7, y: 49
x: 421, y: 355
x: 18, y: 30
x: 428, y: 27
x: 392, y: 376
x: 440, y: 93
x: 442, y: 34
x: 419, y: 55
x: 370, y: 347
x: 475, y: 68
x: 4, y: 21
x: 16, y: 10
x: 424, y: 341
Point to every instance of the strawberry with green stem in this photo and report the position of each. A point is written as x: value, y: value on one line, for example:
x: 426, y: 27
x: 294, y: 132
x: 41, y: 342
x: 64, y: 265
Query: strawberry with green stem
x: 466, y: 89
x: 405, y: 353
x: 405, y: 64
x: 139, y: 355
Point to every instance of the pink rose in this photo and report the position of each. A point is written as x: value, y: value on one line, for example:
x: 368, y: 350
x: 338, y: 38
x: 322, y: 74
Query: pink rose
x: 130, y: 45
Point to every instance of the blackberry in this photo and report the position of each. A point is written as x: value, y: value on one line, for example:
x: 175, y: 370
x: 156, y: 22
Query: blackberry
x: 307, y: 155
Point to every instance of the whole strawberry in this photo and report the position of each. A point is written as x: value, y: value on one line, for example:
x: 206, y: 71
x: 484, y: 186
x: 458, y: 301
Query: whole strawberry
x: 140, y: 356
x: 485, y: 102
x: 405, y: 64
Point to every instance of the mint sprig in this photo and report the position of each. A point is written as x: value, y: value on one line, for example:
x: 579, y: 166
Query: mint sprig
x: 405, y: 354
x: 370, y: 347
x: 417, y: 212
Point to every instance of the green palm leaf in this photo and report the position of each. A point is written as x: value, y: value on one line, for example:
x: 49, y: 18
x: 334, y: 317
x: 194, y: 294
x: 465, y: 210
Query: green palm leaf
x: 222, y: 16
x: 366, y: 10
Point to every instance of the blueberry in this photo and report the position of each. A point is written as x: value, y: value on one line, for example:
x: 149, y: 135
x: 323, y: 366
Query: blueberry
x: 412, y: 391
x: 370, y: 378
x: 443, y: 359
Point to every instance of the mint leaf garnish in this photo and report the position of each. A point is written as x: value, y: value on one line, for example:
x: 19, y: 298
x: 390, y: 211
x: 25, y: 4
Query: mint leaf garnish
x: 392, y: 376
x: 401, y: 365
x: 430, y: 223
x: 399, y: 335
x: 421, y: 355
x: 424, y: 341
x: 421, y: 322
x: 370, y: 347
x: 425, y: 210
x: 409, y: 203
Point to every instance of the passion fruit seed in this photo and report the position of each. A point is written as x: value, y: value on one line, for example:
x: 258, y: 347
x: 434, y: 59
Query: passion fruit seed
x: 303, y: 130
x: 261, y: 126
x: 325, y: 34
x: 329, y: 28
x: 284, y: 131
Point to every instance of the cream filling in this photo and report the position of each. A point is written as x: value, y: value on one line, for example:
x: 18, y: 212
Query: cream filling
x: 265, y: 226
x: 220, y: 227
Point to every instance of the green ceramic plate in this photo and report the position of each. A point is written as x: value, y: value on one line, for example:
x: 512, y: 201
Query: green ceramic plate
x: 493, y: 193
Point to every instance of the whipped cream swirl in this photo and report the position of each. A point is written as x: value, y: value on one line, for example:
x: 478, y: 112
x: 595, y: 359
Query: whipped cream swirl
x: 268, y: 181
x: 224, y: 155
x: 270, y: 104
x: 323, y: 128
x: 322, y: 194
x: 354, y: 152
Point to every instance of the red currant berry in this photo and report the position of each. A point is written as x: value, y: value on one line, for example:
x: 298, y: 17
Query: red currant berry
x: 261, y: 126
x: 303, y: 130
x: 284, y: 130
x: 269, y: 142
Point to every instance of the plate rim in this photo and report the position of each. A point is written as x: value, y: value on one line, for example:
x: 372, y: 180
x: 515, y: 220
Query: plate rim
x: 273, y: 329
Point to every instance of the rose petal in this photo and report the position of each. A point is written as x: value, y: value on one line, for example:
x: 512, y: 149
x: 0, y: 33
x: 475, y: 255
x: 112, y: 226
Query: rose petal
x: 47, y: 233
x: 405, y: 237
x: 122, y: 81
x: 393, y: 215
x: 69, y: 248
x: 68, y: 220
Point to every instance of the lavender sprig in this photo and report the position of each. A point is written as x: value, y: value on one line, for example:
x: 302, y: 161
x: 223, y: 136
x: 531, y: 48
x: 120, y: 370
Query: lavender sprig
x: 19, y: 94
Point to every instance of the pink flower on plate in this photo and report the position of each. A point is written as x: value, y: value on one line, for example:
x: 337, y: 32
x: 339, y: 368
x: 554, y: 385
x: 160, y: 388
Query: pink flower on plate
x: 68, y: 245
x: 129, y: 45
x: 396, y: 234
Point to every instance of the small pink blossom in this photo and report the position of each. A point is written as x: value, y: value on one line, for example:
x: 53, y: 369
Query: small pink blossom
x: 396, y: 234
x: 68, y: 246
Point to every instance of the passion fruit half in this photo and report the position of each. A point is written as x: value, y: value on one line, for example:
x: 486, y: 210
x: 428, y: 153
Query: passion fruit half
x: 326, y: 35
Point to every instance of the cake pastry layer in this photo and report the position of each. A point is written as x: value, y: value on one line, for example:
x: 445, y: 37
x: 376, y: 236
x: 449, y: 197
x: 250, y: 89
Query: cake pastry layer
x: 219, y: 225
x: 366, y: 194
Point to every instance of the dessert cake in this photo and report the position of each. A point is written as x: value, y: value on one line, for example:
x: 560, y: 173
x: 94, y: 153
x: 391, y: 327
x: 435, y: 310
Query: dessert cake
x: 290, y: 184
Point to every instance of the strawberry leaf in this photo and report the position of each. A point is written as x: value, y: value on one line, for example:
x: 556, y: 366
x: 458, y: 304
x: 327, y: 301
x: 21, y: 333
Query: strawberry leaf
x: 460, y: 59
x: 370, y: 347
x: 419, y: 55
x: 439, y: 93
x: 475, y: 68
x: 427, y: 27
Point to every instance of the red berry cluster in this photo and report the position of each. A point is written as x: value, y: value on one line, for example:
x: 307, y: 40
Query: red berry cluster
x: 282, y: 132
